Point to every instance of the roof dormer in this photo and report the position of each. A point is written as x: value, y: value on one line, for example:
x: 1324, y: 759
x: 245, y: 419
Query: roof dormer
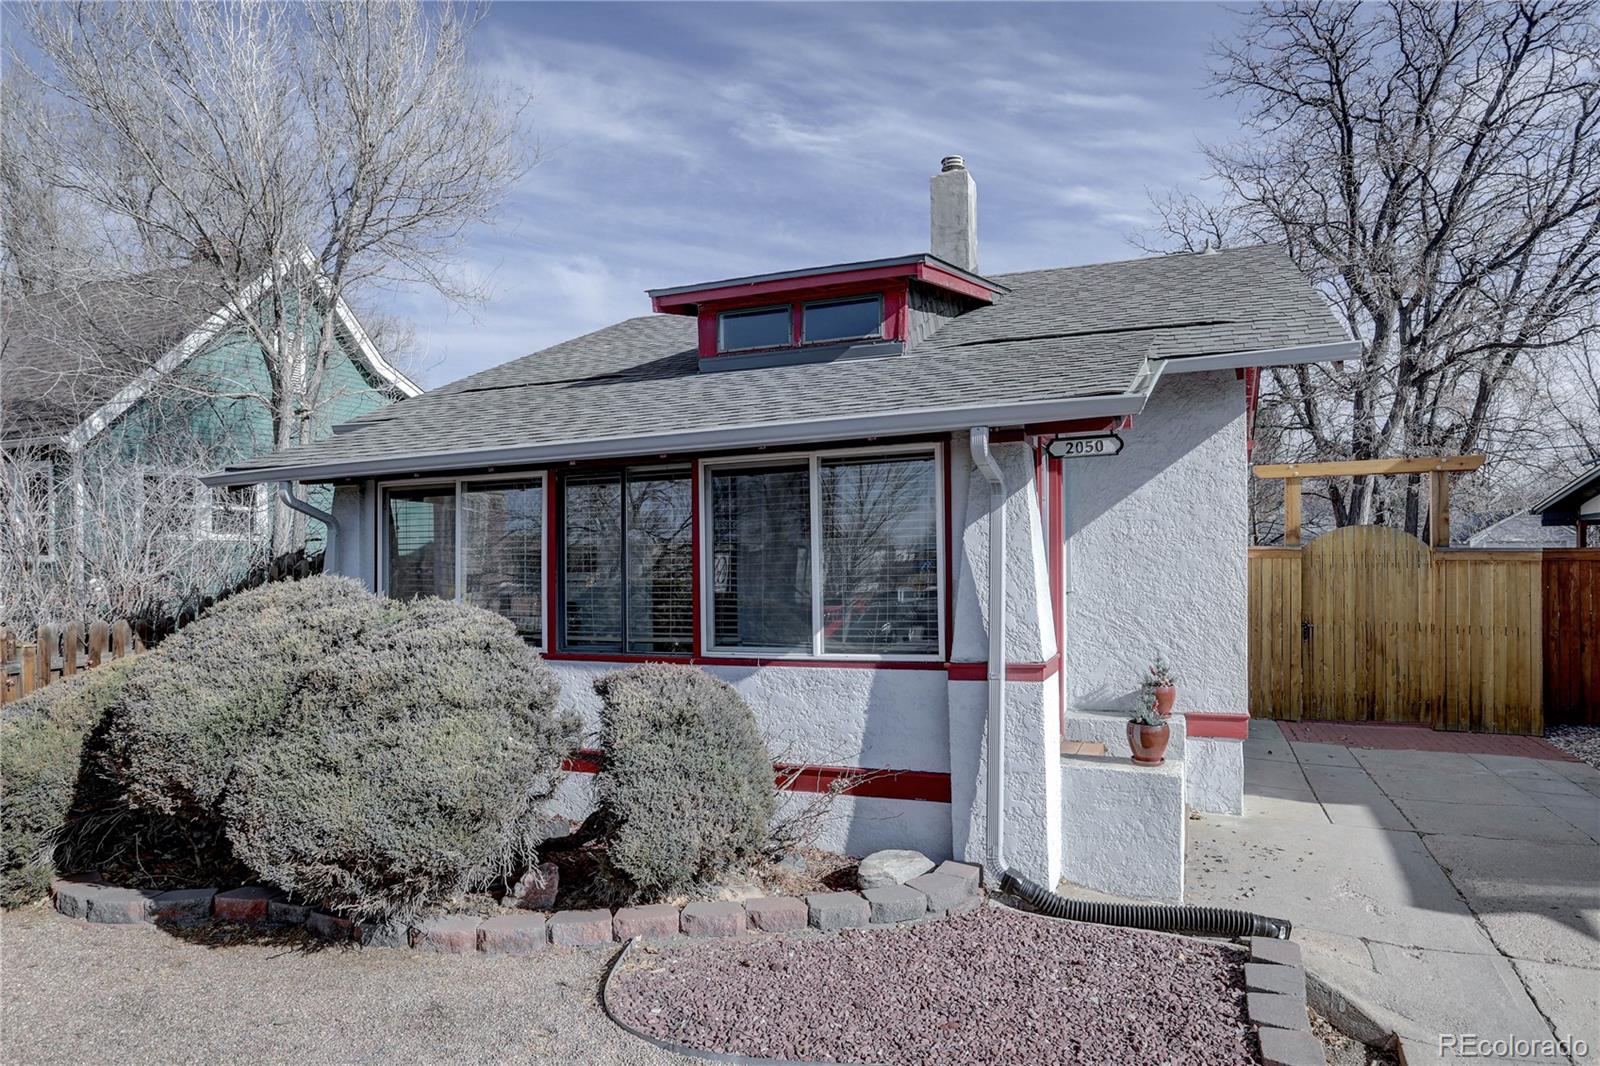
x: 845, y: 311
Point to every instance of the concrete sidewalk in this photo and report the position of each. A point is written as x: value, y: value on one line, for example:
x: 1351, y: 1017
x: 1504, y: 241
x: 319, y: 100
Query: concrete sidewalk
x: 1446, y: 893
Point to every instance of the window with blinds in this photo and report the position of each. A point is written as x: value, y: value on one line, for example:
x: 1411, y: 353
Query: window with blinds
x: 628, y: 573
x: 761, y: 558
x: 875, y: 552
x: 502, y: 551
x: 422, y: 542
x: 880, y: 556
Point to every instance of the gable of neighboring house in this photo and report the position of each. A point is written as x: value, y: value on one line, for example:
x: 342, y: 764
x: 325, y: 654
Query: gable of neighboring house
x: 150, y: 372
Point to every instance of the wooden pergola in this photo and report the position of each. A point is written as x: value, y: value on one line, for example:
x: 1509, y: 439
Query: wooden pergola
x: 1438, y: 469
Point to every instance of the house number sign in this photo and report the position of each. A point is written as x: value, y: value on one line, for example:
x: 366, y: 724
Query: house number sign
x: 1086, y: 447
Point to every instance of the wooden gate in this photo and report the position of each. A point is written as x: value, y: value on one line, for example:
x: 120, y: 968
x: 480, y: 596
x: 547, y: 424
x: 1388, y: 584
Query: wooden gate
x: 1572, y: 635
x: 1365, y: 630
x: 1367, y: 624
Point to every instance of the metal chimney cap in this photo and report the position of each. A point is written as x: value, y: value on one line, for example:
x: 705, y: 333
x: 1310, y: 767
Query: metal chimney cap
x: 952, y: 162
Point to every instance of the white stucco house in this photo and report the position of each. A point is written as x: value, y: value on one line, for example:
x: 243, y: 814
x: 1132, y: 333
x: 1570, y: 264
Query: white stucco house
x: 826, y: 485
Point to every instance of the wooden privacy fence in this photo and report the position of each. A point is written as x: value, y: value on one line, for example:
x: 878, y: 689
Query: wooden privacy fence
x: 1571, y: 617
x: 1367, y: 624
x: 60, y: 652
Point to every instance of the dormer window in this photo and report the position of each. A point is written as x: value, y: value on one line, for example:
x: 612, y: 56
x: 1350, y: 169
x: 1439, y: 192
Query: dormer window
x: 843, y: 320
x: 823, y: 314
x: 759, y: 327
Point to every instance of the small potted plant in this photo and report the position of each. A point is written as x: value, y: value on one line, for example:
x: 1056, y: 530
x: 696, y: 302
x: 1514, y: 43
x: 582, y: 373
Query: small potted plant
x: 1148, y: 731
x: 1163, y: 682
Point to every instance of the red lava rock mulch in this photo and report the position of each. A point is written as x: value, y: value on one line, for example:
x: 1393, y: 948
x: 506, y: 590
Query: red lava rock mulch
x: 992, y: 986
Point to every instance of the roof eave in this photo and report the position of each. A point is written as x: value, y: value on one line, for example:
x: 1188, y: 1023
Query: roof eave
x: 1329, y: 352
x: 811, y: 431
x: 1551, y: 505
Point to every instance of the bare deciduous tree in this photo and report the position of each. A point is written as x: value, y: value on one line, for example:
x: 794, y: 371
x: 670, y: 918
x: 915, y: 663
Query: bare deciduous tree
x: 1436, y: 169
x: 116, y: 540
x: 295, y: 153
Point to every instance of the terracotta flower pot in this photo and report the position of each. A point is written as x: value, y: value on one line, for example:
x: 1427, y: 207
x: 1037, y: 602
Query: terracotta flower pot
x: 1148, y: 742
x: 1165, y: 695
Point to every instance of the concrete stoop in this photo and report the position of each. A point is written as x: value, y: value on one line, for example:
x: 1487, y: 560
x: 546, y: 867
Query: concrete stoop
x: 1123, y: 825
x: 1111, y: 729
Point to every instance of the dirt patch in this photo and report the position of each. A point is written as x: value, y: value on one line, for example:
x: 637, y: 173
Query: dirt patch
x: 1342, y: 1050
x: 804, y: 870
x: 993, y: 986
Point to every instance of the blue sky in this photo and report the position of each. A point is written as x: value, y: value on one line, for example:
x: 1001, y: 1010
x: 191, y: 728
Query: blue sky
x: 687, y: 142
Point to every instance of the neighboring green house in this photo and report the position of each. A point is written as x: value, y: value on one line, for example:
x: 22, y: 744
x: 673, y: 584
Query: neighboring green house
x: 114, y: 394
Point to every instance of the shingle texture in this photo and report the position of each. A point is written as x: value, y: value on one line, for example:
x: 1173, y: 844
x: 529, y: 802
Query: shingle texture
x: 65, y: 353
x: 1070, y: 332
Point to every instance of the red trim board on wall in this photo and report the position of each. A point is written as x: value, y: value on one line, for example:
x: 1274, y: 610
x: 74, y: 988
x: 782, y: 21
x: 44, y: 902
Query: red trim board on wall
x: 928, y: 786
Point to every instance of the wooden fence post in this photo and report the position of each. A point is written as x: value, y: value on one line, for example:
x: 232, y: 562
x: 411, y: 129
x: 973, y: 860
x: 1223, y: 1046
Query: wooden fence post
x: 1291, y: 510
x: 1438, y: 509
x: 27, y: 662
x: 44, y: 654
x: 71, y: 640
x: 99, y: 632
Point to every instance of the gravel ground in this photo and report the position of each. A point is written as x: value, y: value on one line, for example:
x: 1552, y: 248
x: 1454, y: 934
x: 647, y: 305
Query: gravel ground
x: 77, y: 993
x: 1343, y: 1051
x: 993, y: 986
x: 1579, y: 741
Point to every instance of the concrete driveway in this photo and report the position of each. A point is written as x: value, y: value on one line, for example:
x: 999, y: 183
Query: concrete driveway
x: 1446, y: 894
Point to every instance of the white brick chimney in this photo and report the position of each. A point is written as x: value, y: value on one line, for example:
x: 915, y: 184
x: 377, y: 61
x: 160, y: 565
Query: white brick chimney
x: 953, y: 235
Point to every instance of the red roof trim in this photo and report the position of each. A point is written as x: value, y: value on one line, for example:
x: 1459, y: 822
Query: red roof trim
x: 689, y: 302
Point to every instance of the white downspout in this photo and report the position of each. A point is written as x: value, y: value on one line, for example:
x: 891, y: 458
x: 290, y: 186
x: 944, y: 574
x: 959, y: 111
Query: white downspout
x: 295, y: 503
x: 996, y: 793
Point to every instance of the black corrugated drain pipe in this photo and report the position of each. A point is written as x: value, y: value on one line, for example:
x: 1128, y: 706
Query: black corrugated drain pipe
x: 1194, y: 921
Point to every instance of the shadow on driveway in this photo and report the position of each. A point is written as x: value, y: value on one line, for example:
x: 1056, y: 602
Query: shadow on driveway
x: 1450, y: 893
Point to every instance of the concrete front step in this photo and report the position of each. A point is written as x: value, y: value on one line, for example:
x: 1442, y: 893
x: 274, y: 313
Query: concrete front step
x: 1214, y: 781
x: 1123, y: 825
x: 1111, y: 729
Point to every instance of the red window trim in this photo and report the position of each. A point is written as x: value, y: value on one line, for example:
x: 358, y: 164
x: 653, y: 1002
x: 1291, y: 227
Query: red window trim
x: 893, y: 326
x: 957, y: 671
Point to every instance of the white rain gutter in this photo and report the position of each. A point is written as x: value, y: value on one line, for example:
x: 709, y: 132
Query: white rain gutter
x: 295, y: 503
x: 760, y: 434
x: 996, y: 792
x: 1332, y: 352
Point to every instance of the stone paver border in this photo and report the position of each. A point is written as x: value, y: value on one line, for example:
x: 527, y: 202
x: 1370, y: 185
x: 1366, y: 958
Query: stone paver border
x: 953, y: 888
x: 1275, y: 1001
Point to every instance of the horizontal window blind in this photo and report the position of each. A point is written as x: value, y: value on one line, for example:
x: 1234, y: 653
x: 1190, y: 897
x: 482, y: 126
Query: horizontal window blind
x: 592, y: 554
x: 502, y: 551
x: 880, y: 562
x: 422, y: 543
x: 761, y: 558
x: 660, y: 596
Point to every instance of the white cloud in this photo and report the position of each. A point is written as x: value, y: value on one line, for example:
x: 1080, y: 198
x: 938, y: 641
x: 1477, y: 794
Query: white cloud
x: 688, y: 142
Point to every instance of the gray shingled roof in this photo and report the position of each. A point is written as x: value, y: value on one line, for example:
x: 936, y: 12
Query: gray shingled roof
x: 65, y: 353
x: 1074, y: 332
x: 1562, y: 505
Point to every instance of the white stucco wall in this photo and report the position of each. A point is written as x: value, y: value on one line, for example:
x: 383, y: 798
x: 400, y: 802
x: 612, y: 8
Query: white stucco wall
x: 1157, y: 544
x: 1033, y: 843
x: 1030, y: 630
x: 1033, y: 735
x: 832, y: 716
x: 1213, y: 779
x: 1124, y: 826
x: 354, y: 544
